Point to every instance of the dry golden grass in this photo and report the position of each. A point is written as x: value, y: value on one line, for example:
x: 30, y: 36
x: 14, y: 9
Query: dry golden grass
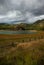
x: 28, y: 51
x: 32, y: 43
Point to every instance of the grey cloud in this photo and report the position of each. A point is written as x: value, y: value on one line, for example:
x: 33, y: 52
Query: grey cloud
x: 27, y: 8
x: 24, y: 5
x: 2, y: 2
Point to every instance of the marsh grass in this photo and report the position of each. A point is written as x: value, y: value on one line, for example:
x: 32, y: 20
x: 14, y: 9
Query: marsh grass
x: 23, y: 49
x: 31, y: 55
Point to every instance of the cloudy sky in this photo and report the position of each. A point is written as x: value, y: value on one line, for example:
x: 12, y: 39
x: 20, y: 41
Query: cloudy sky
x: 21, y: 10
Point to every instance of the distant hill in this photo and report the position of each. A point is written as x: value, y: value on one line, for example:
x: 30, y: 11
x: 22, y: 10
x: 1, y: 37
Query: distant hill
x: 38, y: 25
x: 39, y: 22
x: 3, y: 23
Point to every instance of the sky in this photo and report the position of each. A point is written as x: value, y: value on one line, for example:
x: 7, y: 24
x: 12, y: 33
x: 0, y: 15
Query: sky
x: 27, y: 11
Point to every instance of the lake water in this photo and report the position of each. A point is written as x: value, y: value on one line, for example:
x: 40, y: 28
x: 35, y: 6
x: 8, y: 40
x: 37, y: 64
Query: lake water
x: 17, y: 32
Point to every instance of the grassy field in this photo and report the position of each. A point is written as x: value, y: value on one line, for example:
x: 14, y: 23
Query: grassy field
x: 20, y: 37
x: 22, y: 49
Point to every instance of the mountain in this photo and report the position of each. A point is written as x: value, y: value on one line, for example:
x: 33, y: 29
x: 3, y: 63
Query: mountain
x: 38, y: 25
x: 39, y: 22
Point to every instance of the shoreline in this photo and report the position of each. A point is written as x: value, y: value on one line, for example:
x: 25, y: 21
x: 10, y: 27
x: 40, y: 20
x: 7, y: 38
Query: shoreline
x: 20, y: 30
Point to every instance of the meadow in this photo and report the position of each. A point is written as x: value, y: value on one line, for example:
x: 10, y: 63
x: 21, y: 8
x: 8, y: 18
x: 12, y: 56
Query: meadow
x: 22, y: 49
x: 21, y: 37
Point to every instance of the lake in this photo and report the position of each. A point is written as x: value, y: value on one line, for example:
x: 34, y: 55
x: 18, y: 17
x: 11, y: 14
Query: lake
x: 17, y: 32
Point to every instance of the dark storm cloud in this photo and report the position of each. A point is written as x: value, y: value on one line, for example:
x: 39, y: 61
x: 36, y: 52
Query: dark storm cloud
x: 21, y: 9
x: 2, y: 2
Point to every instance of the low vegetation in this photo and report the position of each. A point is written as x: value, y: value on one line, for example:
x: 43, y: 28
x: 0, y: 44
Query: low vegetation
x: 22, y: 49
x: 31, y: 53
